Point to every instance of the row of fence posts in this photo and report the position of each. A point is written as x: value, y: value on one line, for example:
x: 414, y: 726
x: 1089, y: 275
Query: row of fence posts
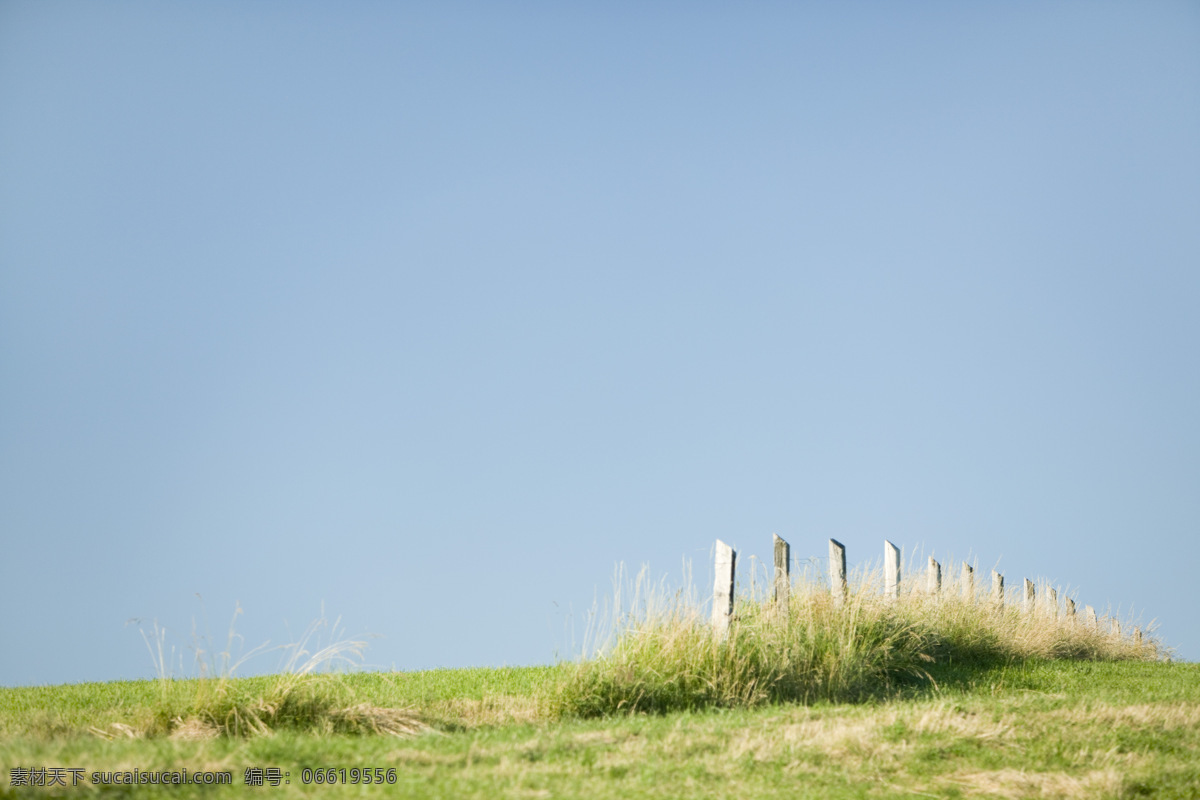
x: 726, y: 567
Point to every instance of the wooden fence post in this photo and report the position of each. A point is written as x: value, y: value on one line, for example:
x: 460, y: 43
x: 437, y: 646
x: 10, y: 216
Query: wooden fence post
x: 783, y: 581
x: 997, y: 587
x: 968, y: 583
x: 1052, y: 601
x: 1030, y: 596
x: 837, y: 571
x: 1091, y: 617
x: 1116, y: 628
x: 722, y: 610
x: 934, y: 578
x: 1137, y: 636
x: 1070, y: 609
x: 891, y: 571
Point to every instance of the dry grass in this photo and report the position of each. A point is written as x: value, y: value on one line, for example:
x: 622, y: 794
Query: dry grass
x: 1015, y: 784
x: 493, y: 710
x: 1148, y: 716
x: 309, y: 694
x: 660, y: 653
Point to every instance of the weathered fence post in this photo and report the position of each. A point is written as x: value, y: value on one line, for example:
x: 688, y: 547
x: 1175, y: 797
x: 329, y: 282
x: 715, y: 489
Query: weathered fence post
x: 783, y: 581
x: 837, y: 571
x: 968, y: 583
x: 891, y: 571
x: 722, y: 610
x: 997, y: 587
x: 1052, y: 600
x: 1030, y: 596
x: 1137, y: 636
x: 934, y: 578
x: 1070, y: 609
x: 1091, y: 617
x: 1116, y: 628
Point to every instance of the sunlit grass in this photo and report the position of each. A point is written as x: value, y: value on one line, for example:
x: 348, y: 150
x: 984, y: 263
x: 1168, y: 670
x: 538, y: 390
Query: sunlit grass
x: 310, y: 693
x: 660, y: 653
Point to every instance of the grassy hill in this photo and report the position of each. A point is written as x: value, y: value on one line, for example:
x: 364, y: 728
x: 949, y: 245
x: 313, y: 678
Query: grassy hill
x: 930, y: 695
x: 1071, y: 729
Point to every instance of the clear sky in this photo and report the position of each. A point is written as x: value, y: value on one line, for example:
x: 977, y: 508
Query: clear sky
x: 432, y: 313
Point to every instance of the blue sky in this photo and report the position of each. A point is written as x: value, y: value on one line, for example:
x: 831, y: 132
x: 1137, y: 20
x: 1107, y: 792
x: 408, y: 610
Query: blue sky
x: 433, y: 313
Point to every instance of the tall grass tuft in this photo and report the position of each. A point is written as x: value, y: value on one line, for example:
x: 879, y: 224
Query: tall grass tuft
x: 309, y: 693
x: 661, y: 654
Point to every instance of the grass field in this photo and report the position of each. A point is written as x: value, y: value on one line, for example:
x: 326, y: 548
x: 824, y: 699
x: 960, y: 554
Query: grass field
x: 1072, y: 729
x: 935, y: 696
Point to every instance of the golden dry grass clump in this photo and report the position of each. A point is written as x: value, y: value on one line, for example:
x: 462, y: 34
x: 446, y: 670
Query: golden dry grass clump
x: 310, y: 694
x: 661, y: 654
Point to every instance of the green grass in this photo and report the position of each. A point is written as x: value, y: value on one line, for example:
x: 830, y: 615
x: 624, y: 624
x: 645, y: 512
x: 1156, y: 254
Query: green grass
x: 1026, y: 729
x: 941, y: 697
x: 662, y: 653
